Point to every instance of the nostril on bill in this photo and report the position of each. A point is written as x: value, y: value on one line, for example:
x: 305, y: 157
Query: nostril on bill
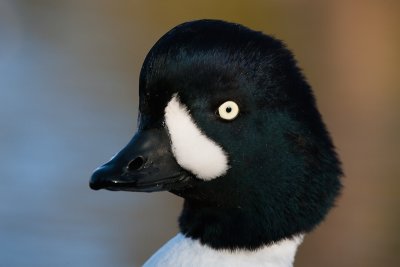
x: 136, y: 164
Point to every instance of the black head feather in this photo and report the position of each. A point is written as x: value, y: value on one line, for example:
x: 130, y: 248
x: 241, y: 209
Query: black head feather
x: 284, y: 174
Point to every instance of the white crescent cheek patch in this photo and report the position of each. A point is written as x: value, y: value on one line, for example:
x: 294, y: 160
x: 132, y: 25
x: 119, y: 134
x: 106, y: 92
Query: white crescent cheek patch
x: 193, y: 150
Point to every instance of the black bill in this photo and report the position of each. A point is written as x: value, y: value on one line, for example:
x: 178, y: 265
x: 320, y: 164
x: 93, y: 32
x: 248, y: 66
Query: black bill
x: 146, y: 164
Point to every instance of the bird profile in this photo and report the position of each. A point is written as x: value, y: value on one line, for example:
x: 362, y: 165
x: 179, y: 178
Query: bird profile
x: 228, y: 122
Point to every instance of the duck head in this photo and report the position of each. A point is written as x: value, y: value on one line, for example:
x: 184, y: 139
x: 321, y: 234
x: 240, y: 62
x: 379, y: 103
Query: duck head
x: 228, y: 122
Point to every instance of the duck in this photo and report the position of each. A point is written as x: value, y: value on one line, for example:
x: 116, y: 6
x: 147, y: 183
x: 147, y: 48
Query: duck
x: 228, y: 122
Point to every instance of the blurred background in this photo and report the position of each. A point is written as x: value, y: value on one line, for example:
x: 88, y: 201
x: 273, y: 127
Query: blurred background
x: 68, y: 101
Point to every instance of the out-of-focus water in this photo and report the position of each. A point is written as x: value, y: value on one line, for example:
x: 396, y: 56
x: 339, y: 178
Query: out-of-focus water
x: 65, y: 108
x: 68, y: 99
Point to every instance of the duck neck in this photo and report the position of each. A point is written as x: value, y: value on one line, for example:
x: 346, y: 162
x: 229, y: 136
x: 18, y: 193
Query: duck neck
x: 233, y: 229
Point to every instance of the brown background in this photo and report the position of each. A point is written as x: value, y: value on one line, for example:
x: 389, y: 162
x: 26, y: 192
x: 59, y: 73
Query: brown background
x: 69, y: 81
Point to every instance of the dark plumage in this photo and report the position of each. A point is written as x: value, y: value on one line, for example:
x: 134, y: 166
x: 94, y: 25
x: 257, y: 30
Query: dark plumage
x: 284, y: 173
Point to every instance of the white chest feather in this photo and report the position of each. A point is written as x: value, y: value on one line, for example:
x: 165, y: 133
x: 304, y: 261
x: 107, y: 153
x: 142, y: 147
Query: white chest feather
x: 185, y: 252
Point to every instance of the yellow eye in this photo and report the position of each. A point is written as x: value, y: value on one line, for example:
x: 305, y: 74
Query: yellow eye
x: 228, y: 110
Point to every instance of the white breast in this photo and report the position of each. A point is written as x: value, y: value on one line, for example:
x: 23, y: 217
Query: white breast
x: 181, y: 251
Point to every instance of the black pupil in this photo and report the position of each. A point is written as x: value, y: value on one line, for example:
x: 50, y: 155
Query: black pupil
x: 228, y: 109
